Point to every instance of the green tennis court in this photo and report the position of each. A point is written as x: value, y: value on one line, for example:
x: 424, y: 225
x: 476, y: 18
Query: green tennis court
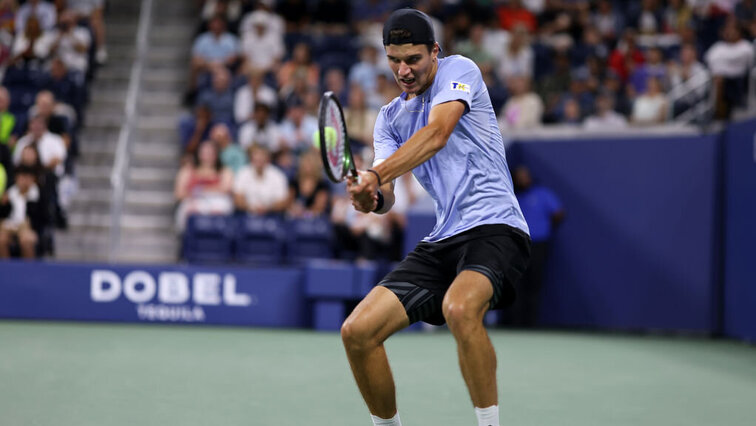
x: 101, y: 374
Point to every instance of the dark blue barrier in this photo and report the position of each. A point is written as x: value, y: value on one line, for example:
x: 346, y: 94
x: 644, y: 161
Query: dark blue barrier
x: 231, y: 296
x: 636, y: 250
x: 740, y: 231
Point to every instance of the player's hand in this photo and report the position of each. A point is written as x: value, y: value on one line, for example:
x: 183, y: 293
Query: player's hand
x: 363, y: 192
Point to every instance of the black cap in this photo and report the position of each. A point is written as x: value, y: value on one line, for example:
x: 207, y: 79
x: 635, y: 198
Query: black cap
x: 419, y: 29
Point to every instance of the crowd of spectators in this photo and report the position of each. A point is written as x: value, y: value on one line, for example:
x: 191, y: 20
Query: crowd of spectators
x: 258, y: 69
x: 48, y: 55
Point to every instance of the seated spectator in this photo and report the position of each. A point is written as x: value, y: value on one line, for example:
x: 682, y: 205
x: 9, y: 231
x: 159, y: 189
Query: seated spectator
x: 261, y: 188
x: 653, y: 67
x: 553, y: 85
x: 729, y: 61
x: 8, y: 9
x: 69, y: 42
x: 231, y: 155
x: 524, y: 108
x: 608, y: 21
x: 67, y: 87
x: 605, y: 118
x: 213, y: 49
x: 365, y: 72
x: 262, y: 47
x: 264, y: 9
x: 230, y: 10
x: 474, y: 48
x: 260, y: 130
x: 300, y: 64
x: 513, y: 13
x: 248, y: 95
x: 677, y: 16
x: 651, y: 107
x: 334, y: 81
x: 29, y: 50
x: 43, y: 12
x: 626, y: 55
x: 21, y: 214
x: 91, y: 12
x: 298, y: 127
x: 571, y: 114
x: 360, y: 119
x: 688, y: 75
x: 309, y: 193
x: 51, y: 147
x: 517, y: 58
x: 214, y: 105
x: 203, y: 186
x: 44, y: 105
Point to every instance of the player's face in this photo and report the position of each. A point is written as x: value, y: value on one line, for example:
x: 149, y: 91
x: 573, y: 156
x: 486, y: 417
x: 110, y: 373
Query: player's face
x: 413, y: 66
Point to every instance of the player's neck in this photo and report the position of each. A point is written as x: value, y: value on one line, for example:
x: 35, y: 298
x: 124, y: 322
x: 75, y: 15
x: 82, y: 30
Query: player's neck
x: 431, y: 77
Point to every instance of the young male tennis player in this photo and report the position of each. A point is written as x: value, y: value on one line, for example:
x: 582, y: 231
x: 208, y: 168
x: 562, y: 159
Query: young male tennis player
x: 444, y: 130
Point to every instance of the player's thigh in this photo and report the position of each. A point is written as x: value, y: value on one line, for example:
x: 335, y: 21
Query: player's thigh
x: 468, y: 297
x: 379, y: 315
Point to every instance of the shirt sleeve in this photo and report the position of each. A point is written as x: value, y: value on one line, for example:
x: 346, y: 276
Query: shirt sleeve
x: 458, y: 82
x: 384, y: 141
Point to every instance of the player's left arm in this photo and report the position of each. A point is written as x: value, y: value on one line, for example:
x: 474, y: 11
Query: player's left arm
x: 423, y: 145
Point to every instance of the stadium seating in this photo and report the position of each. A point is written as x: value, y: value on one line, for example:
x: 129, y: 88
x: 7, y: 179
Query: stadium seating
x: 209, y: 239
x: 260, y: 240
x: 309, y: 238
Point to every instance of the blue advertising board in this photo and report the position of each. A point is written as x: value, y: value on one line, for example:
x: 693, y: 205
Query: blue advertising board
x: 162, y: 294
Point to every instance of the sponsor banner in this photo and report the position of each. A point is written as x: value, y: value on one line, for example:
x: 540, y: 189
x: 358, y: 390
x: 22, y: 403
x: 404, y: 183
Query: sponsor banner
x: 153, y: 294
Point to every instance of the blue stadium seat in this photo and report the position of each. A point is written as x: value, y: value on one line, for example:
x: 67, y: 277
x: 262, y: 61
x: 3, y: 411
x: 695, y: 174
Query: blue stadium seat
x: 208, y: 239
x: 309, y: 238
x: 260, y: 239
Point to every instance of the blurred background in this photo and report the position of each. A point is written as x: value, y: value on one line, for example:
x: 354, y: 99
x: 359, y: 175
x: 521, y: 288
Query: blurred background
x: 157, y: 165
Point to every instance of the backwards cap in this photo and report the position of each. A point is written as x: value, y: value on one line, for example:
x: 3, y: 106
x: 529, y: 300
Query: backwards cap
x: 419, y: 29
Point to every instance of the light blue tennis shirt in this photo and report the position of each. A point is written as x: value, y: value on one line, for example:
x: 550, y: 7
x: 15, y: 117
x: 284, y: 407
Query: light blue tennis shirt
x: 468, y: 179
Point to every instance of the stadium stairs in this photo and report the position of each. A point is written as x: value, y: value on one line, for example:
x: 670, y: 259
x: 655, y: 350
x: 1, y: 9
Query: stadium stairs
x: 147, y: 226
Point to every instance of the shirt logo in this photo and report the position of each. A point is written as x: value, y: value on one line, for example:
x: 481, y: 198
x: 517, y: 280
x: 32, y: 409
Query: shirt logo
x: 462, y: 87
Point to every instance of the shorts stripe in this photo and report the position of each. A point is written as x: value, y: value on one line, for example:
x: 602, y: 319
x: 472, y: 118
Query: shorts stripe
x: 417, y: 301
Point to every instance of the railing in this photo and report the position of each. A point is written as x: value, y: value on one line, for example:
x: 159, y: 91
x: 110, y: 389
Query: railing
x: 700, y: 87
x: 119, y: 176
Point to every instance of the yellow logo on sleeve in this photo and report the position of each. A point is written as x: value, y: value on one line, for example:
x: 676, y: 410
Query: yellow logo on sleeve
x: 462, y: 87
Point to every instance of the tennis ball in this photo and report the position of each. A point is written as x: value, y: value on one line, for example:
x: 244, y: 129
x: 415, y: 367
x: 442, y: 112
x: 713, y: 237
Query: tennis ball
x: 330, y: 135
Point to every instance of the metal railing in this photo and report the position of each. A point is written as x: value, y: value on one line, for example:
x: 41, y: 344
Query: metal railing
x: 699, y: 87
x: 119, y: 175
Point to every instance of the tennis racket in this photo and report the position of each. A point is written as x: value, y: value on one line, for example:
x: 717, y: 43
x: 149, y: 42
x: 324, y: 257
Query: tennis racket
x: 333, y: 139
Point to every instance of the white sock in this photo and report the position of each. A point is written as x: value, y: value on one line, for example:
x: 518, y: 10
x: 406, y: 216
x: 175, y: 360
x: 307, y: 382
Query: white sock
x: 488, y: 416
x: 394, y: 421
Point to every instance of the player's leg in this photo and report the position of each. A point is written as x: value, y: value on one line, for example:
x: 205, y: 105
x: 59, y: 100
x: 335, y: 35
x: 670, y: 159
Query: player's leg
x: 377, y: 317
x: 464, y: 306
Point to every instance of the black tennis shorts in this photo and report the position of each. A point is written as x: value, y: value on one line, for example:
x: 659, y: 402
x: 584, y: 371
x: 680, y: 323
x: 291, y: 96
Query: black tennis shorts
x: 500, y: 252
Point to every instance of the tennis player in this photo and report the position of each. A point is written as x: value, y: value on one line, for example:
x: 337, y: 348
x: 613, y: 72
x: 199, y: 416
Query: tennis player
x: 443, y: 129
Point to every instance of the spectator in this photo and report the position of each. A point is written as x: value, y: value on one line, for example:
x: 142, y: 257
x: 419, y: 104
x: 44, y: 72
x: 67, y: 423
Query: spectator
x: 626, y: 55
x: 475, y: 49
x: 360, y: 120
x: 203, y: 186
x: 69, y: 42
x: 688, y: 76
x: 92, y: 13
x: 231, y: 155
x: 230, y: 10
x: 22, y: 213
x: 51, y: 147
x: 365, y: 72
x: 8, y: 9
x: 513, y: 13
x: 43, y: 12
x: 212, y: 49
x: 44, y: 105
x: 250, y: 94
x: 264, y: 12
x: 553, y: 85
x: 677, y: 16
x: 517, y: 58
x: 607, y: 21
x: 298, y: 127
x: 334, y: 81
x: 653, y: 67
x: 260, y: 130
x: 544, y: 212
x: 651, y: 107
x: 300, y: 64
x: 572, y: 114
x: 524, y: 108
x: 262, y: 46
x: 261, y: 188
x: 66, y: 87
x: 605, y: 118
x: 214, y: 105
x: 309, y: 193
x: 28, y: 47
x: 729, y: 61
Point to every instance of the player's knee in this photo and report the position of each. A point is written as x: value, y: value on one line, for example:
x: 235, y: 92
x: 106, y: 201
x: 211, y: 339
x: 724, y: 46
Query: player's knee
x: 355, y: 334
x: 460, y: 316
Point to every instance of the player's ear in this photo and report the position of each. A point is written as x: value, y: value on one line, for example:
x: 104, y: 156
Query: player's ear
x: 434, y: 52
